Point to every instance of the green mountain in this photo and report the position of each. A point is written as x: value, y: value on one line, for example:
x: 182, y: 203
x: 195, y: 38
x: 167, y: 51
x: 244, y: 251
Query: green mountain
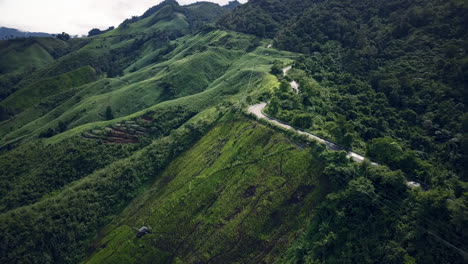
x: 146, y: 143
x: 11, y: 33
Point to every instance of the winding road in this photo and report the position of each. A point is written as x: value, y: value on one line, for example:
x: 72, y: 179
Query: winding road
x: 257, y: 110
x: 294, y: 84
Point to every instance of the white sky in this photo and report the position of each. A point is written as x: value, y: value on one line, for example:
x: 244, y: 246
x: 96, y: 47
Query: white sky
x: 75, y: 17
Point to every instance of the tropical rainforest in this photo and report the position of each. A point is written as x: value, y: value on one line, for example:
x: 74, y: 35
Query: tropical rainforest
x: 138, y: 144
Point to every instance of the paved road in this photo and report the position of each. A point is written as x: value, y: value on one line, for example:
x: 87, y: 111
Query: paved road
x: 257, y: 110
x: 294, y: 84
x: 285, y: 70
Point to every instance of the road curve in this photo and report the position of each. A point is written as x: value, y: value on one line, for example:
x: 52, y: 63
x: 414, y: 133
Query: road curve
x: 286, y: 70
x: 257, y: 110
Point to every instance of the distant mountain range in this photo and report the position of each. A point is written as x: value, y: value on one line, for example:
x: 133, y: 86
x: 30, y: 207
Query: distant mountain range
x: 9, y: 33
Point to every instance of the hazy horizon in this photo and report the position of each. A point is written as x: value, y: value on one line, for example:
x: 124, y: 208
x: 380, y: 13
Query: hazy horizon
x: 75, y: 18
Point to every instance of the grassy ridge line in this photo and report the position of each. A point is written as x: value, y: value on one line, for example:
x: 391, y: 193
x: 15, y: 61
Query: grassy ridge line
x: 35, y: 92
x: 53, y: 107
x: 203, y: 100
x: 102, y: 99
x: 103, y: 54
x: 228, y: 84
x: 32, y: 72
x: 19, y: 55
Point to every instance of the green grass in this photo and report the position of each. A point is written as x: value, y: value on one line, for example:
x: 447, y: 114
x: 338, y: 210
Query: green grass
x: 231, y: 197
x: 44, y: 113
x: 35, y: 92
x: 92, y: 200
x: 165, y: 19
x: 94, y: 51
x: 179, y: 22
x: 203, y: 70
x: 206, y: 73
x: 21, y: 55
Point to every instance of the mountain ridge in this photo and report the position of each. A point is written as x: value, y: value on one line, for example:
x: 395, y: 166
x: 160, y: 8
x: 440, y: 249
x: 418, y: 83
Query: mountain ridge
x: 9, y: 33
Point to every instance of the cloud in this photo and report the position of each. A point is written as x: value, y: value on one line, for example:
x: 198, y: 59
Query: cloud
x: 72, y: 16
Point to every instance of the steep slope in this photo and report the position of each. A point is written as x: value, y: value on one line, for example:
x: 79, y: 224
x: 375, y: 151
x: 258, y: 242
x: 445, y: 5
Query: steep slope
x: 240, y: 194
x: 20, y: 59
x: 130, y: 49
x: 109, y: 54
x: 143, y: 135
x: 20, y: 55
x: 30, y: 54
x: 264, y: 18
x: 196, y: 64
x: 35, y: 92
x: 385, y: 78
x: 69, y: 217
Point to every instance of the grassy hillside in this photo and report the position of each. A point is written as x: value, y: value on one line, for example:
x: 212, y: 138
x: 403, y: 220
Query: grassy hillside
x: 203, y: 67
x: 144, y: 64
x: 69, y: 217
x: 35, y: 92
x: 109, y: 54
x: 145, y: 105
x: 243, y: 188
x: 22, y: 57
x: 26, y: 54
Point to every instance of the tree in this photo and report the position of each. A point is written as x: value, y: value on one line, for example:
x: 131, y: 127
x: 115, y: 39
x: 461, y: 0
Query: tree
x: 310, y: 87
x: 62, y: 127
x: 109, y: 114
x: 465, y: 123
x: 302, y: 121
x: 64, y: 36
x: 285, y: 87
x: 277, y: 69
x: 274, y: 106
x: 168, y: 90
x: 94, y: 32
x: 347, y: 140
x: 385, y: 150
x: 342, y: 131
